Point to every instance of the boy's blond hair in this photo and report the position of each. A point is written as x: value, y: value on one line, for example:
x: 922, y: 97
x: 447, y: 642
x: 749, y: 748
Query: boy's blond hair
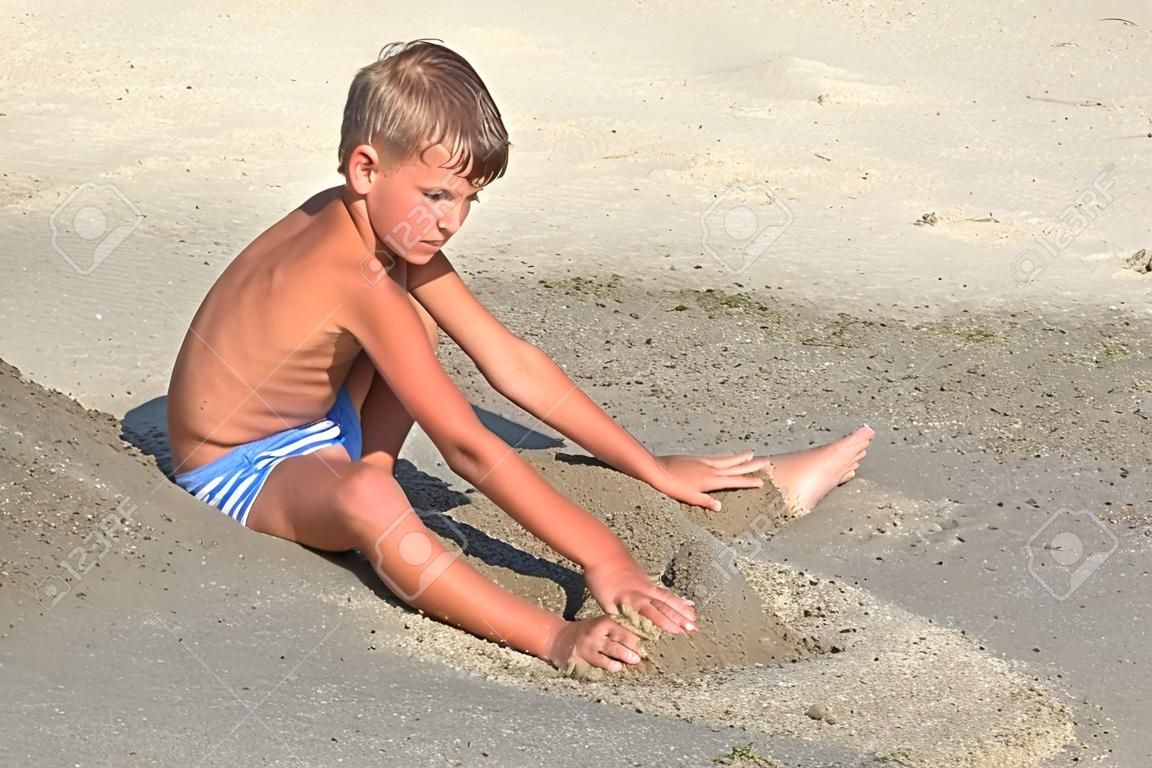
x: 419, y: 94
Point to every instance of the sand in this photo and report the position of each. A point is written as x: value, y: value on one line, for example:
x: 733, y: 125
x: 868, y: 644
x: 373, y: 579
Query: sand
x: 773, y: 642
x: 734, y: 628
x: 779, y: 652
x: 955, y: 255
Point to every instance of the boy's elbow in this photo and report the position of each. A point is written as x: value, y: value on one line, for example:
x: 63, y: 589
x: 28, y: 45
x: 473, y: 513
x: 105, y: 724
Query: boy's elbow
x: 458, y: 457
x: 469, y: 458
x: 517, y: 367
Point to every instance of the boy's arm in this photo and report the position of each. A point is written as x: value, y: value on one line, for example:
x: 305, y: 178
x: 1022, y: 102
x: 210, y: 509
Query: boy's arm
x: 530, y: 378
x: 459, y: 594
x: 384, y: 321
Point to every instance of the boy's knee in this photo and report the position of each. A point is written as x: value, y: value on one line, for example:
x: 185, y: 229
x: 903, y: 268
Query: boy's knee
x: 368, y: 497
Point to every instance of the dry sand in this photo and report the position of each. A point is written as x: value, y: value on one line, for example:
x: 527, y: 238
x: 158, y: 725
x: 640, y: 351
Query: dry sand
x: 629, y: 123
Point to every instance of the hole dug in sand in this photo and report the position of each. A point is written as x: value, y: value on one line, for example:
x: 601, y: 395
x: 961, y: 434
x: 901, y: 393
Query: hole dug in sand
x: 774, y: 645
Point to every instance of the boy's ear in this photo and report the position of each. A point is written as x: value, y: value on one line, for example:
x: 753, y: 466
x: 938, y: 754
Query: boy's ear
x: 363, y: 168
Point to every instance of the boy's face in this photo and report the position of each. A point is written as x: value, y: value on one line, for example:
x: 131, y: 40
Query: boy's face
x: 415, y: 207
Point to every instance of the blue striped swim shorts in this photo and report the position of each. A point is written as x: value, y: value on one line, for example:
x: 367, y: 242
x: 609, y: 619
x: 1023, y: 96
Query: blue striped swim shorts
x: 232, y: 482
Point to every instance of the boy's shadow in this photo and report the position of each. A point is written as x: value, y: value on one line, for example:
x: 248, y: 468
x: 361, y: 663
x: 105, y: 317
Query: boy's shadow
x: 145, y: 427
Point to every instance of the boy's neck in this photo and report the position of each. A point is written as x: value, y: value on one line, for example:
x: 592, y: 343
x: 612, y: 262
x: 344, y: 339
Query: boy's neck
x: 358, y: 214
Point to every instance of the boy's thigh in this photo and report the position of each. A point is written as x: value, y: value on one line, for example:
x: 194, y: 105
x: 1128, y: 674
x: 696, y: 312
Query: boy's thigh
x: 304, y: 500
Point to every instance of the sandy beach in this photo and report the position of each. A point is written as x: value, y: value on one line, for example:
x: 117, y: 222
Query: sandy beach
x: 749, y: 227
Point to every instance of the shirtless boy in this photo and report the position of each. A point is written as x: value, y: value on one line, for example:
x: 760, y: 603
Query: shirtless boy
x: 315, y: 351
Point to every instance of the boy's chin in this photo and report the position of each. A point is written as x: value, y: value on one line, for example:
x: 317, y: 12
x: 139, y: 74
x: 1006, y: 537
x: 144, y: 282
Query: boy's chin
x: 421, y: 253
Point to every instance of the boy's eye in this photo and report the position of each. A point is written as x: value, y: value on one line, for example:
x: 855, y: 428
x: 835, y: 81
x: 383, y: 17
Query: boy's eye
x: 439, y: 195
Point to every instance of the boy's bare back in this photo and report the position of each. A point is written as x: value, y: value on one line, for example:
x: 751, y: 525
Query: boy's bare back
x: 269, y: 346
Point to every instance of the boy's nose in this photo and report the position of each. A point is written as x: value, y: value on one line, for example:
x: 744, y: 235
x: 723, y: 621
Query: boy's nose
x: 451, y: 220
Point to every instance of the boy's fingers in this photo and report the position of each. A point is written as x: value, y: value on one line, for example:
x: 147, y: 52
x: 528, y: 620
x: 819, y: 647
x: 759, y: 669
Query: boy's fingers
x: 706, y: 501
x: 605, y: 662
x: 753, y: 465
x: 624, y: 637
x: 726, y: 460
x: 668, y: 617
x: 679, y: 605
x: 621, y: 652
x: 662, y: 620
x: 737, y: 481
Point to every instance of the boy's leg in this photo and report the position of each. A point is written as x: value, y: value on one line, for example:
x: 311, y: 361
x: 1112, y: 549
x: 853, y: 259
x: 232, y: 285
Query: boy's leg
x: 301, y: 501
x: 329, y: 502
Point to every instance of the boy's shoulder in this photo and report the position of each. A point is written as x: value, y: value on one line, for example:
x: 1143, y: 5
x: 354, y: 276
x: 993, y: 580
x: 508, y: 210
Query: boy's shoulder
x: 326, y: 227
x: 366, y: 281
x: 317, y: 245
x: 311, y: 260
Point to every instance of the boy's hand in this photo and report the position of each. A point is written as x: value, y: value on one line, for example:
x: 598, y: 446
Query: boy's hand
x: 599, y: 641
x: 689, y: 478
x: 616, y: 583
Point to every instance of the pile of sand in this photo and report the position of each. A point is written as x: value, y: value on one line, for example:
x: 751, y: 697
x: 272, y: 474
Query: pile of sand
x: 734, y: 628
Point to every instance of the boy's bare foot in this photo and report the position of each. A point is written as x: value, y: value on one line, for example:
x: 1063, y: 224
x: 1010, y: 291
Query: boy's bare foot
x: 806, y: 477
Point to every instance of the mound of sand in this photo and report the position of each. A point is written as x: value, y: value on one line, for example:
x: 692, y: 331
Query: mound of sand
x: 734, y: 629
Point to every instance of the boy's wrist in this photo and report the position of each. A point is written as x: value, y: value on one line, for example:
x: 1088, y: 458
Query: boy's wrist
x: 647, y: 466
x: 655, y: 472
x: 546, y: 649
x: 610, y: 554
